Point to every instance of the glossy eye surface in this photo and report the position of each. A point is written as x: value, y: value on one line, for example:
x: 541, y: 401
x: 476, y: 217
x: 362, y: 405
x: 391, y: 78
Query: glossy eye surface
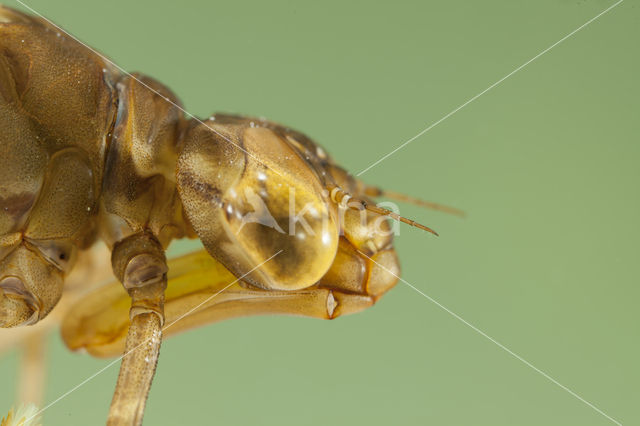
x: 262, y: 205
x: 266, y: 214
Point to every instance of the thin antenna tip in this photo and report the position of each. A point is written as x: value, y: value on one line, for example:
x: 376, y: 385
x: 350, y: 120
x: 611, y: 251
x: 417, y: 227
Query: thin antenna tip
x: 431, y: 231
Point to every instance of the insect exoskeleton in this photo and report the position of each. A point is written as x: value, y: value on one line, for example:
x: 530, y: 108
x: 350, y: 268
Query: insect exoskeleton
x: 251, y: 189
x: 55, y: 107
x: 90, y: 153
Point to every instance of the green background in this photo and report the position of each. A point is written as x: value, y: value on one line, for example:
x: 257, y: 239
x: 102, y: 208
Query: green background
x: 546, y: 164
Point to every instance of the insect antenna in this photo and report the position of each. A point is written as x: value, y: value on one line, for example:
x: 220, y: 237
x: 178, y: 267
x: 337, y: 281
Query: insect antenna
x: 373, y: 191
x: 347, y: 201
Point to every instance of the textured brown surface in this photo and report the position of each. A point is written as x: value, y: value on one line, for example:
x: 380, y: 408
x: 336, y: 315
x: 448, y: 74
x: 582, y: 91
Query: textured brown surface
x: 88, y: 152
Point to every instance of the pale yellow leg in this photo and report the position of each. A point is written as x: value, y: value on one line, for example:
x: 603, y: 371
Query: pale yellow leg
x: 32, y: 369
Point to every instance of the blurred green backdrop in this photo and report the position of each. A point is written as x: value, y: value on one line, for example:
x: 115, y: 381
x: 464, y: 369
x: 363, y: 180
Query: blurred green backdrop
x: 546, y: 164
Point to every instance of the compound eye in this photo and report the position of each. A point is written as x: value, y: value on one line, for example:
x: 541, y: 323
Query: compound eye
x: 261, y: 211
x: 269, y: 216
x: 18, y: 306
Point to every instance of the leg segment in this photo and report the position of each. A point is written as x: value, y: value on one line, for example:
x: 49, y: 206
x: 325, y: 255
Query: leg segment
x: 140, y: 264
x: 32, y: 369
x: 202, y: 291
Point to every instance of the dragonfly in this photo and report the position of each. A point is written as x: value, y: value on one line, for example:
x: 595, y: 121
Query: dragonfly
x: 100, y: 170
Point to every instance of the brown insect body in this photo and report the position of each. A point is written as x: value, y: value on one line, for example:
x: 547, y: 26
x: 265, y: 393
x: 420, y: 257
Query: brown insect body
x: 90, y: 153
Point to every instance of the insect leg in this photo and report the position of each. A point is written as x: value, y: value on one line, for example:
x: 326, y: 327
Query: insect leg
x: 202, y: 291
x: 32, y: 369
x: 140, y: 264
